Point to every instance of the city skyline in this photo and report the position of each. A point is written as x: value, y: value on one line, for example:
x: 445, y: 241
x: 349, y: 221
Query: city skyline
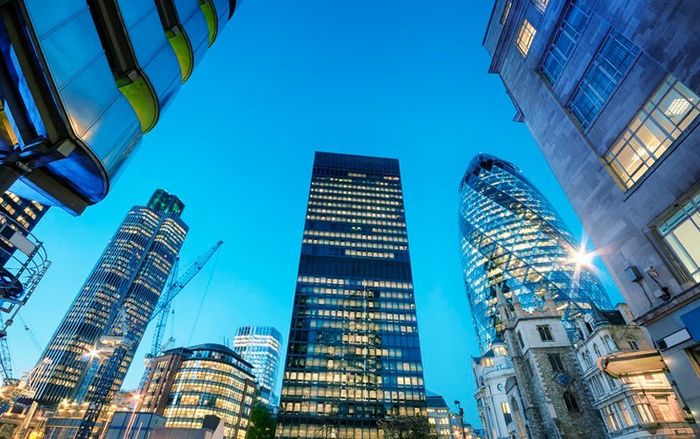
x: 235, y: 277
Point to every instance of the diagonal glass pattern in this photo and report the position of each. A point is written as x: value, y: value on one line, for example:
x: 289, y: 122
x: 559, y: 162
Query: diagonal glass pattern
x: 513, y: 239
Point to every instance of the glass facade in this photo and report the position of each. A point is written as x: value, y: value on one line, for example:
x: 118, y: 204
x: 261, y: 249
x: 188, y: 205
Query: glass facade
x: 261, y: 346
x: 609, y: 65
x: 353, y: 355
x: 89, y: 78
x: 130, y: 275
x: 187, y: 384
x: 513, y: 239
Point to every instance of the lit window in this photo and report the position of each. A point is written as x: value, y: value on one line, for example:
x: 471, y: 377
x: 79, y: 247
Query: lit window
x: 525, y: 36
x: 606, y: 70
x: 505, y: 409
x: 681, y: 232
x: 545, y: 333
x: 541, y: 5
x: 565, y: 39
x: 610, y: 418
x: 662, y: 119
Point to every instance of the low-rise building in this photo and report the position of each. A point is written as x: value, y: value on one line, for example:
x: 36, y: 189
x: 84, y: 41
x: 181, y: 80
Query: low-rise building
x: 439, y: 416
x: 636, y: 404
x: 492, y: 371
x: 186, y: 384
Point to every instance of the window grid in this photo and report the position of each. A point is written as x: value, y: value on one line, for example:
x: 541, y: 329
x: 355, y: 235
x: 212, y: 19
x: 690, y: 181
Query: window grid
x: 662, y: 119
x: 565, y: 40
x: 525, y: 36
x: 541, y: 5
x: 602, y: 77
x: 681, y: 233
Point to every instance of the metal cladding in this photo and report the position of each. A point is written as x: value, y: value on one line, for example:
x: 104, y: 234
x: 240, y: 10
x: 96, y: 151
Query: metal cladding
x: 130, y: 276
x: 513, y: 239
x: 84, y: 79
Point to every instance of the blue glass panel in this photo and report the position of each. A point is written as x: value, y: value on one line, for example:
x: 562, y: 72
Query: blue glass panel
x: 195, y: 26
x: 222, y: 12
x: 98, y: 113
x: 153, y: 52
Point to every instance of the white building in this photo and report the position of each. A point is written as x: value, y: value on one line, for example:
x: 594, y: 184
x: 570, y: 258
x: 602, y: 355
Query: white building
x: 492, y: 371
x: 261, y: 346
x: 636, y: 404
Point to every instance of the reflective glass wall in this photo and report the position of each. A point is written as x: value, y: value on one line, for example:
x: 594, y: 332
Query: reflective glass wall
x: 353, y: 355
x: 513, y: 239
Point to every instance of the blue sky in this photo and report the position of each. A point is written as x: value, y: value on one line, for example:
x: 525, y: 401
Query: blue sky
x: 402, y: 79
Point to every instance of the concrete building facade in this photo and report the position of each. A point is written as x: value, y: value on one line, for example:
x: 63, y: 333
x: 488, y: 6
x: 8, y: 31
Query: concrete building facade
x: 609, y: 90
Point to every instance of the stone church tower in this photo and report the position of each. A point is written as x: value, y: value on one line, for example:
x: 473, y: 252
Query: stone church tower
x: 554, y: 400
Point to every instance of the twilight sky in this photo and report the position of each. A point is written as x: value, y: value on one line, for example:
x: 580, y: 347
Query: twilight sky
x: 404, y: 79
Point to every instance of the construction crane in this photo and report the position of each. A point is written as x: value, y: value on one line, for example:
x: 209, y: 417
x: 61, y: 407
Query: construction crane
x: 114, y: 347
x: 176, y: 285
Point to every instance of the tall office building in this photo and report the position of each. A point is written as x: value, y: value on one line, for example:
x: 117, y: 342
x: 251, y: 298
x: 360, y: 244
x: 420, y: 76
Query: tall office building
x: 261, y: 346
x: 609, y: 90
x: 82, y: 81
x: 124, y: 284
x: 187, y: 384
x: 513, y: 239
x: 353, y: 355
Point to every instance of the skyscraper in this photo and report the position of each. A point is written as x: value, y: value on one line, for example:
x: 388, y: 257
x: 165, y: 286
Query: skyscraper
x: 261, y: 346
x: 353, y: 355
x: 610, y: 92
x: 82, y: 81
x: 128, y: 277
x: 513, y: 239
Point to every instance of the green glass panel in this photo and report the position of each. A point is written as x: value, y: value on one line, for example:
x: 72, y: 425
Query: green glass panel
x: 183, y: 52
x: 142, y: 99
x: 210, y: 17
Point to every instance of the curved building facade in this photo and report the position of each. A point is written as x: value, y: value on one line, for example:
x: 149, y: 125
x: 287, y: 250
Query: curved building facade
x: 83, y: 80
x: 512, y: 238
x: 187, y: 384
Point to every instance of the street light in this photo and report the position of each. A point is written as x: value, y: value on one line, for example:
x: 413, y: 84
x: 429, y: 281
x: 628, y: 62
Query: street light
x: 461, y: 416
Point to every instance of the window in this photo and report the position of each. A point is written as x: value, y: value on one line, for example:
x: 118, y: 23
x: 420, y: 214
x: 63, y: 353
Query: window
x: 541, y: 5
x: 610, y: 418
x: 505, y: 409
x: 662, y: 119
x: 506, y: 12
x: 633, y: 344
x: 555, y: 362
x: 681, y: 232
x: 666, y: 412
x: 545, y: 333
x: 606, y: 70
x: 625, y: 415
x: 525, y: 36
x: 565, y: 39
x: 570, y: 402
x: 520, y: 340
x: 643, y: 409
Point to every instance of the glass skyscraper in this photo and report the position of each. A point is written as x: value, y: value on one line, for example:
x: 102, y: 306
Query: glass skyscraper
x: 261, y: 346
x: 129, y: 276
x: 513, y: 239
x: 353, y: 355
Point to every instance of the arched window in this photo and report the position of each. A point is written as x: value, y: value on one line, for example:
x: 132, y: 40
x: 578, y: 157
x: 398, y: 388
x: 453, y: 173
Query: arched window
x: 571, y: 402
